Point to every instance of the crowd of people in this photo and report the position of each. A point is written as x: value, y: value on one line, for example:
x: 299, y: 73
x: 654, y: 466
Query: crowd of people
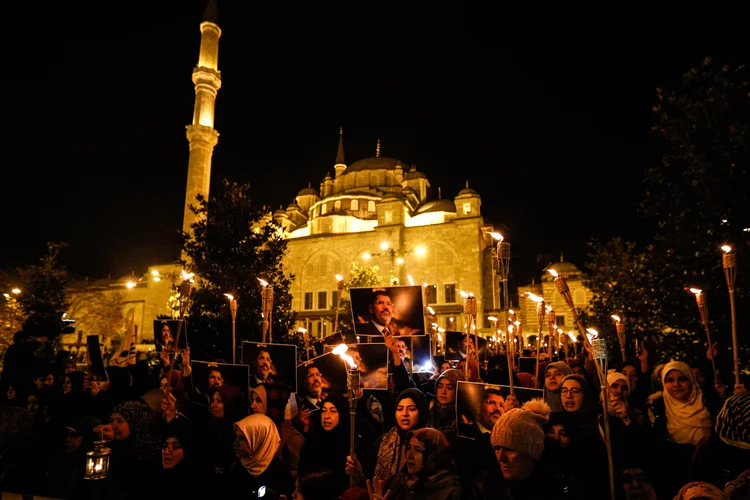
x: 675, y: 432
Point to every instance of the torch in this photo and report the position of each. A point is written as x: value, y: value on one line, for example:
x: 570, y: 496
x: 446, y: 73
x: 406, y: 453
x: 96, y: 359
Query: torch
x: 340, y: 286
x: 620, y: 326
x: 599, y: 352
x: 266, y: 295
x: 432, y: 321
x: 540, y: 312
x: 186, y: 289
x: 306, y: 340
x: 233, y: 311
x: 700, y: 299
x: 494, y: 321
x: 352, y: 385
x: 552, y: 327
x: 562, y: 287
x: 470, y: 310
x: 729, y: 260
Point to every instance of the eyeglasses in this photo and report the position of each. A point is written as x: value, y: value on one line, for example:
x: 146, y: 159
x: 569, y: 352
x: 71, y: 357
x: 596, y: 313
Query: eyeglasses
x: 575, y: 391
x: 172, y: 446
x: 383, y: 303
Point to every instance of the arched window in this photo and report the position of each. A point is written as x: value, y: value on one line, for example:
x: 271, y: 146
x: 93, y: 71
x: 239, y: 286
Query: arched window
x: 355, y: 205
x: 337, y: 205
x: 323, y: 209
x: 370, y: 206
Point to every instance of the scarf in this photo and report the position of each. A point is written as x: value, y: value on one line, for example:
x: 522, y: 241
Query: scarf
x: 552, y: 398
x: 138, y: 416
x: 262, y: 438
x: 443, y: 416
x: 391, y: 452
x: 687, y: 422
x: 259, y: 391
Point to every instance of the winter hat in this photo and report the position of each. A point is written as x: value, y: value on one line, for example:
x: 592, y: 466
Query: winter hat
x: 520, y: 429
x: 698, y: 490
x: 733, y: 422
x: 737, y: 489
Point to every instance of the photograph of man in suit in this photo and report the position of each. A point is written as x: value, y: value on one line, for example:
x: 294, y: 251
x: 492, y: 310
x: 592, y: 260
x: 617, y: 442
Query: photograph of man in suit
x: 263, y: 370
x: 381, y: 314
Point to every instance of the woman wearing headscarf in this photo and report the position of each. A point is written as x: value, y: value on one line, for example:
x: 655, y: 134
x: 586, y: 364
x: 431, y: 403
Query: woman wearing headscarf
x: 443, y: 406
x: 178, y: 463
x: 429, y: 472
x: 553, y: 376
x: 328, y: 444
x: 388, y: 453
x: 257, y: 472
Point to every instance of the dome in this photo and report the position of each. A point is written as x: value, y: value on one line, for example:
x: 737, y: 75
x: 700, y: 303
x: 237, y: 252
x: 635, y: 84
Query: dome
x: 563, y: 268
x: 440, y: 205
x: 308, y: 191
x: 279, y: 213
x: 374, y: 163
x: 293, y: 206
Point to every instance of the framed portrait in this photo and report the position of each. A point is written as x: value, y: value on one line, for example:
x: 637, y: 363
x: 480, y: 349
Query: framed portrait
x: 456, y: 346
x: 415, y: 352
x: 94, y: 357
x: 332, y: 370
x: 480, y: 405
x: 165, y: 334
x: 401, y: 308
x: 372, y: 361
x: 209, y: 375
x: 276, y: 363
x: 332, y: 340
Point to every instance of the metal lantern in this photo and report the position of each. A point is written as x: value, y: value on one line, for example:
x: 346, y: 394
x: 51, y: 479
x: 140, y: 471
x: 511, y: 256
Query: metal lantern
x: 97, y: 461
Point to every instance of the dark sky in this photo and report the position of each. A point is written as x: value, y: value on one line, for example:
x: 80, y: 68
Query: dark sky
x: 547, y: 120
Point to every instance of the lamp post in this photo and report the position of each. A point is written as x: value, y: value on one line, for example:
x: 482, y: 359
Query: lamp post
x: 352, y: 386
x: 700, y: 299
x: 729, y: 261
x: 562, y: 287
x: 340, y: 287
x: 233, y: 311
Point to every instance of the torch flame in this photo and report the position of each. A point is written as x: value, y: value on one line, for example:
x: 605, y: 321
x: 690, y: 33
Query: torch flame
x: 229, y: 296
x: 548, y: 308
x: 511, y: 312
x: 411, y: 280
x: 497, y: 236
x: 465, y: 295
x: 572, y: 337
x: 340, y: 350
x: 552, y: 272
x: 534, y: 297
x: 187, y: 276
x: 339, y: 277
x: 726, y: 248
x: 592, y: 332
x: 616, y: 318
x: 491, y: 318
x: 441, y: 329
x: 696, y: 291
x: 301, y: 330
x: 431, y: 310
x: 263, y: 283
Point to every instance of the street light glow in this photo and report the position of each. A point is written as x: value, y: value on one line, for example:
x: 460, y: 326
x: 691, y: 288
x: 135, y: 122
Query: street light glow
x: 366, y: 256
x: 420, y: 250
x: 130, y: 284
x: 16, y: 291
x: 384, y: 245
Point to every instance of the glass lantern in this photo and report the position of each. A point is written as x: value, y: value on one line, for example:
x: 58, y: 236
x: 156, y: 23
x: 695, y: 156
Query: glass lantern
x: 97, y: 461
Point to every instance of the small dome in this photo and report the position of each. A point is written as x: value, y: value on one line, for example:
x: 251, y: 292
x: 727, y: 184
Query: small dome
x: 439, y: 205
x: 374, y: 163
x: 467, y: 191
x: 308, y: 191
x: 563, y: 268
x: 293, y: 206
x: 279, y: 213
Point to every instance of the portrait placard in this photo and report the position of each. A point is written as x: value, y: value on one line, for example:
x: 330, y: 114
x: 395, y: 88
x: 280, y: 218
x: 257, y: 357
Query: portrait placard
x: 332, y: 370
x: 333, y: 340
x: 277, y: 363
x: 400, y: 308
x: 210, y: 375
x: 165, y: 334
x: 480, y: 405
x: 415, y: 352
x: 372, y: 361
x: 94, y: 357
x: 456, y: 346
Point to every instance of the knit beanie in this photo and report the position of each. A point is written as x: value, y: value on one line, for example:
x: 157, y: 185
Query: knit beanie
x: 733, y: 422
x: 520, y: 429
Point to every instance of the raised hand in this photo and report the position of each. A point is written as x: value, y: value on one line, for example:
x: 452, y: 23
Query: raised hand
x: 376, y: 492
x: 353, y: 468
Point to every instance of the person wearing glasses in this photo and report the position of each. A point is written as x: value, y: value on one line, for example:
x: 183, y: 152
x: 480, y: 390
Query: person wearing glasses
x: 381, y: 315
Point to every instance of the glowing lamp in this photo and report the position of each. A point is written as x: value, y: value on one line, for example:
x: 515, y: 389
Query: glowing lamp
x: 97, y: 461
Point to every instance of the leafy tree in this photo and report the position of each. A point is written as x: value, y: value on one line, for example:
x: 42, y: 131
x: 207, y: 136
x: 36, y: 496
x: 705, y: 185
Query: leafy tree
x: 98, y: 312
x: 359, y: 277
x: 230, y: 246
x: 11, y: 314
x: 43, y: 297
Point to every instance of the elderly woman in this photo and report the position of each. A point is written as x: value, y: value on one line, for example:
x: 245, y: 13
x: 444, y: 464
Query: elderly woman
x: 257, y: 472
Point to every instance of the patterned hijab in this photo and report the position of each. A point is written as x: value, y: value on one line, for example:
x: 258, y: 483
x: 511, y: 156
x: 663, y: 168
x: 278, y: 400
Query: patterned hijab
x: 443, y: 416
x: 138, y: 416
x: 391, y: 450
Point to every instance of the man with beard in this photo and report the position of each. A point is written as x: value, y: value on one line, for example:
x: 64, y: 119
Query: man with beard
x: 310, y: 401
x: 381, y: 312
x: 263, y: 372
x: 492, y: 408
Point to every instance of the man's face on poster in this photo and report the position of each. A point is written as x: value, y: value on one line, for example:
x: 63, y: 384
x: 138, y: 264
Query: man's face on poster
x: 263, y: 364
x: 166, y: 337
x: 215, y: 380
x: 492, y: 409
x: 314, y: 382
x: 403, y: 351
x: 382, y: 309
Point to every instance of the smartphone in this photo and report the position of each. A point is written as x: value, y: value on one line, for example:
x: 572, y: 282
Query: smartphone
x: 638, y: 346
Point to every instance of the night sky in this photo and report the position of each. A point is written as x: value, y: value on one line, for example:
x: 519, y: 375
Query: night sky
x: 547, y: 120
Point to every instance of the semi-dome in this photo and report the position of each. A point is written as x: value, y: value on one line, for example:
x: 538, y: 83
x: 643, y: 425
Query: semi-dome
x: 440, y: 205
x: 374, y: 163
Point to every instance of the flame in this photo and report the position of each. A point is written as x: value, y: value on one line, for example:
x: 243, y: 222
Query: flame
x: 510, y: 328
x: 548, y: 308
x: 441, y: 329
x: 155, y: 272
x: 511, y: 312
x: 431, y: 310
x: 616, y: 318
x: 187, y: 276
x: 440, y: 338
x: 411, y: 280
x: 465, y: 294
x: 340, y: 350
x: 592, y: 332
x: 726, y: 248
x: 302, y: 330
x: 534, y: 297
x: 229, y: 296
x: 517, y: 323
x: 339, y: 277
x: 572, y: 337
x: 130, y: 284
x: 560, y: 331
x: 491, y: 318
x: 696, y: 291
x: 553, y: 272
x: 263, y: 283
x: 434, y: 325
x: 497, y: 236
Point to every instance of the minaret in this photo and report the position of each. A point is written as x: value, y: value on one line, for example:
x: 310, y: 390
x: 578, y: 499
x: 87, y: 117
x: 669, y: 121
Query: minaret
x: 340, y: 165
x: 201, y: 135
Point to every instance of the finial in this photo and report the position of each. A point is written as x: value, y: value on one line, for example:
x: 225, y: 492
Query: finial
x: 377, y: 149
x: 467, y: 184
x: 561, y: 257
x: 440, y: 193
x: 341, y: 130
x: 309, y: 184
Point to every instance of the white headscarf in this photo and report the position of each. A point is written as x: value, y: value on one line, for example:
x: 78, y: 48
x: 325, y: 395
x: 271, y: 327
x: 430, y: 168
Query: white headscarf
x: 263, y: 439
x: 687, y: 422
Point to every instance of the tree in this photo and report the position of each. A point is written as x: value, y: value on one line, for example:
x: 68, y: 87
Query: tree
x: 43, y: 297
x: 11, y: 314
x: 359, y: 277
x: 98, y: 312
x: 231, y: 245
x: 699, y: 195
